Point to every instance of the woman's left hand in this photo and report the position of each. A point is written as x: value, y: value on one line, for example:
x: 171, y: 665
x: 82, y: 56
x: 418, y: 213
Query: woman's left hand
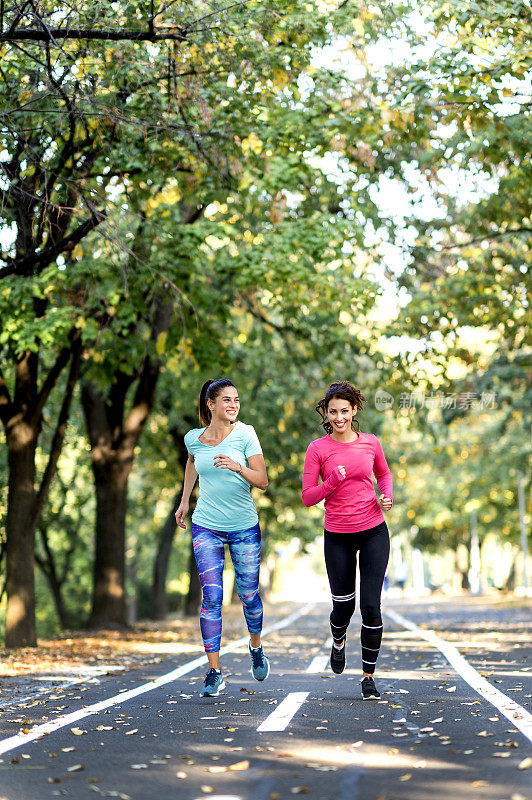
x: 224, y: 462
x: 385, y: 502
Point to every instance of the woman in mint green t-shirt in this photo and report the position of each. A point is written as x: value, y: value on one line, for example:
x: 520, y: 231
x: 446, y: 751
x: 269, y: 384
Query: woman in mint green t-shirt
x: 227, y: 457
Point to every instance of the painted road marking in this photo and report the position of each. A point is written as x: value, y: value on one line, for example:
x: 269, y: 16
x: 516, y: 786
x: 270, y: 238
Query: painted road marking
x: 318, y: 664
x: 280, y: 718
x: 69, y: 719
x: 518, y: 716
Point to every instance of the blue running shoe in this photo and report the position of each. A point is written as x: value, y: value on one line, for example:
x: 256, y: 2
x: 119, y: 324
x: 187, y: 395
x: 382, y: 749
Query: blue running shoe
x: 213, y: 683
x: 260, y: 666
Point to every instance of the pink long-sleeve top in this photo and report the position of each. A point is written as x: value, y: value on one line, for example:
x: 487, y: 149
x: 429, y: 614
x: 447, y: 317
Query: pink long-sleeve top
x: 350, y: 503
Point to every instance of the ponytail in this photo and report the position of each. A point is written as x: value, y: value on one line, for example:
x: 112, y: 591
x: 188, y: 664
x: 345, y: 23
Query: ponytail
x: 210, y: 391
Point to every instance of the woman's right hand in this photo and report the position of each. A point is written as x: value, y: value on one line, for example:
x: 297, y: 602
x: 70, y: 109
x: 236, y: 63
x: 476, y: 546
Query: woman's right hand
x: 181, y: 513
x: 342, y: 471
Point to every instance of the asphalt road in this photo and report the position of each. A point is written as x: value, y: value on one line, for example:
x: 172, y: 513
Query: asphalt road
x: 431, y: 736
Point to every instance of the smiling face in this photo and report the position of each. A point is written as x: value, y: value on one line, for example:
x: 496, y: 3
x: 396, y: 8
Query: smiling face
x: 340, y: 414
x: 226, y: 405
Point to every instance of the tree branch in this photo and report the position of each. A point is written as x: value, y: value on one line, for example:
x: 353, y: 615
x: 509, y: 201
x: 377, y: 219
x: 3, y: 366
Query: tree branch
x: 496, y: 235
x: 53, y: 375
x: 59, y: 433
x: 50, y: 253
x: 31, y: 34
x: 5, y: 400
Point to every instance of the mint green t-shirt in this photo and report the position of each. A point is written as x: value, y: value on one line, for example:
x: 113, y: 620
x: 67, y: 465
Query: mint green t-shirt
x: 225, y: 502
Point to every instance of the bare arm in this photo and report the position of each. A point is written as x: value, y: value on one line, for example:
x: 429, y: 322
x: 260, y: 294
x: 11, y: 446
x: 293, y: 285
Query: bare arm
x: 190, y: 479
x: 255, y: 473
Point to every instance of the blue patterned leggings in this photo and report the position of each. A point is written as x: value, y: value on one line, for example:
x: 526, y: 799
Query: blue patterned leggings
x: 244, y: 547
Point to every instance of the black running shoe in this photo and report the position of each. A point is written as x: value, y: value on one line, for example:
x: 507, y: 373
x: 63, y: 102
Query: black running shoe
x: 338, y: 659
x: 369, y: 690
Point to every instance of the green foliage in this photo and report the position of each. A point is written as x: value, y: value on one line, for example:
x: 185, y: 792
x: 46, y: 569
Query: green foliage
x: 239, y: 178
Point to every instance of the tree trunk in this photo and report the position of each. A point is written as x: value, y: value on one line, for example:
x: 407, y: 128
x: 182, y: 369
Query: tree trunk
x: 166, y: 537
x: 108, y: 600
x: 114, y: 433
x: 20, y: 537
x: 22, y: 420
x: 112, y: 452
x: 193, y: 601
x: 162, y: 558
x: 48, y: 568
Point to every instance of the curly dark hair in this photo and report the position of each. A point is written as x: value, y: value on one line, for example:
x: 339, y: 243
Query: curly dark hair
x: 342, y: 390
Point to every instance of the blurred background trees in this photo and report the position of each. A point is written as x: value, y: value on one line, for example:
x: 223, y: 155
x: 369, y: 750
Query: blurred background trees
x: 283, y: 195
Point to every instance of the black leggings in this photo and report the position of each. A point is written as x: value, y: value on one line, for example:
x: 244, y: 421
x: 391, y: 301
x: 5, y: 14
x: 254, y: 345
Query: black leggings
x: 373, y: 548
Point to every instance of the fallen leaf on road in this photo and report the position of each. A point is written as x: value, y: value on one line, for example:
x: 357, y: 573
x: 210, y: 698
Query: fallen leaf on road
x: 479, y: 784
x: 181, y: 774
x: 207, y: 789
x: 132, y: 731
x: 239, y: 766
x: 299, y: 790
x: 78, y: 731
x: 67, y: 749
x: 501, y: 755
x: 76, y: 768
x: 54, y: 780
x: 406, y: 777
x: 526, y: 763
x: 139, y: 766
x: 451, y: 689
x: 323, y: 769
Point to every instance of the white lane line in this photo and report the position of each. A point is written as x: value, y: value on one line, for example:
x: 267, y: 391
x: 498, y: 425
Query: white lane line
x: 69, y: 719
x: 279, y: 719
x: 518, y: 716
x: 318, y: 664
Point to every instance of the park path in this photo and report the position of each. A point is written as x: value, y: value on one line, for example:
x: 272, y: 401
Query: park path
x: 145, y: 733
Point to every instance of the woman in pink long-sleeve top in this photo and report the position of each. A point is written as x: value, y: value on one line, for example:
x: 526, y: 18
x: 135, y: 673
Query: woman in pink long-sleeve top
x: 345, y: 459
